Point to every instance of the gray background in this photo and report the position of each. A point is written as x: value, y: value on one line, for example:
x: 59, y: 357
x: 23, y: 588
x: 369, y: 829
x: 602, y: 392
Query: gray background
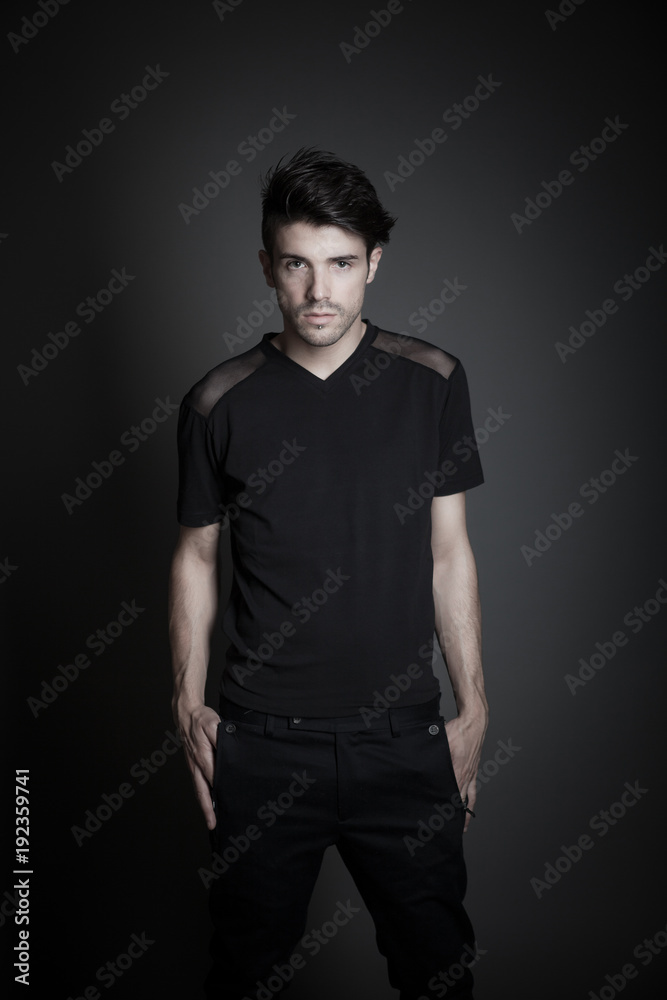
x: 67, y: 574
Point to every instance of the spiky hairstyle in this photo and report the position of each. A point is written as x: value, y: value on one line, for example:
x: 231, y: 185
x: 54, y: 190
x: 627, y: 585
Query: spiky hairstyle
x: 317, y: 187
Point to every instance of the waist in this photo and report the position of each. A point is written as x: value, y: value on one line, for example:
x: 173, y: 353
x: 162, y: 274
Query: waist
x: 391, y: 718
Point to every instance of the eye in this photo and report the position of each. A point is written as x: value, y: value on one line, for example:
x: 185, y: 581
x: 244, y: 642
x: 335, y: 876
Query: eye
x: 343, y: 265
x: 293, y: 265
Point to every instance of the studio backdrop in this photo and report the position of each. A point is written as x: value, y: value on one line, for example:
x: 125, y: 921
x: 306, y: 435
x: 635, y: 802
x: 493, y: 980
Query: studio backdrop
x: 520, y: 149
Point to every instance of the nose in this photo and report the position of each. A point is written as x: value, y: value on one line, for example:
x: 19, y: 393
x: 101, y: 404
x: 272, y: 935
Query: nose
x: 319, y: 287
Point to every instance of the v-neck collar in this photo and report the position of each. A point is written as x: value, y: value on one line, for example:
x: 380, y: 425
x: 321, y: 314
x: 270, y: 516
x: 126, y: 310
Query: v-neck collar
x: 323, y: 384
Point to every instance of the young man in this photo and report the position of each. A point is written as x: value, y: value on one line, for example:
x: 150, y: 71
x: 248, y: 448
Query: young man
x: 332, y: 452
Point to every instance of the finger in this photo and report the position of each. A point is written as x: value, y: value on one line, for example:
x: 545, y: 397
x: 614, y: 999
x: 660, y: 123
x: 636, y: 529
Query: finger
x: 206, y: 762
x: 212, y: 727
x: 203, y: 792
x: 470, y: 806
x: 203, y: 752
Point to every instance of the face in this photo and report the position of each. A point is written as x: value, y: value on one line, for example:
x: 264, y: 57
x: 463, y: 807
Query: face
x: 320, y: 275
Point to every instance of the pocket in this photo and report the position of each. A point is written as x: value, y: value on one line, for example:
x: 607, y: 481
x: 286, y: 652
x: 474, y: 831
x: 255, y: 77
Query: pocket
x: 449, y: 763
x: 235, y: 743
x: 217, y: 761
x: 436, y: 733
x: 424, y: 779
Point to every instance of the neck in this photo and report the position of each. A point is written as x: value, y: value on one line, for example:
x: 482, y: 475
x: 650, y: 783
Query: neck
x: 320, y: 360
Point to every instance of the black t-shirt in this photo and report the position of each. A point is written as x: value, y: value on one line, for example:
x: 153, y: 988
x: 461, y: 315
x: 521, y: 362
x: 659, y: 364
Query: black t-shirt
x: 325, y: 486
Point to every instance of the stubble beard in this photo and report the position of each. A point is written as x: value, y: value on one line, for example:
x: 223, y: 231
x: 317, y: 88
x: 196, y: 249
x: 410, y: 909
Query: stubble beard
x: 330, y: 333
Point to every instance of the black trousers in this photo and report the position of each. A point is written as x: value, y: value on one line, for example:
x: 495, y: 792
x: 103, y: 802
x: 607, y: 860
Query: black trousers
x: 382, y: 790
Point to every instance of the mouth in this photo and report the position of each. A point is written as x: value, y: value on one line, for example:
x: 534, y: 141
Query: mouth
x: 319, y: 318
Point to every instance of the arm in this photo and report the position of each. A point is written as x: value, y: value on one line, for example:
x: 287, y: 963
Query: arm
x: 458, y: 627
x: 193, y: 603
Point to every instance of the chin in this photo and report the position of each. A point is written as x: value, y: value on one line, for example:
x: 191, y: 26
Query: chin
x: 321, y: 338
x: 328, y: 335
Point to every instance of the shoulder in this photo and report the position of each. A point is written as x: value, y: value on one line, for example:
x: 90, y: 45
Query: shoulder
x: 217, y: 382
x: 418, y: 352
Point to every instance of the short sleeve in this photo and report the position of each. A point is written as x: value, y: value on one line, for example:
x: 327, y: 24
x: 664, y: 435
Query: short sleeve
x: 200, y: 499
x: 459, y: 455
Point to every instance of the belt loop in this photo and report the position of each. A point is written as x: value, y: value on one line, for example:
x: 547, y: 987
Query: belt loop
x: 393, y: 722
x: 269, y: 724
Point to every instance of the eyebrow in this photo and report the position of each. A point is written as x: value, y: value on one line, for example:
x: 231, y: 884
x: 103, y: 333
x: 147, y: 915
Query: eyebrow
x: 298, y: 256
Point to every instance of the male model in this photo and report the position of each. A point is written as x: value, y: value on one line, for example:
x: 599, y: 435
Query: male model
x: 333, y: 453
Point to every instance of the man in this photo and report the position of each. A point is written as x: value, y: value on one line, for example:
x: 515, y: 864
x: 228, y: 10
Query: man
x: 331, y: 451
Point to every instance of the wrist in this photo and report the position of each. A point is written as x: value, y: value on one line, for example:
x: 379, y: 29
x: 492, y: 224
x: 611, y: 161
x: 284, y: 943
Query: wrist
x: 474, y: 712
x: 185, y: 705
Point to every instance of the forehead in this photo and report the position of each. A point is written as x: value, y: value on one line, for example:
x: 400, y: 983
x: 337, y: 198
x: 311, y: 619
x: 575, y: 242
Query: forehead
x: 305, y: 239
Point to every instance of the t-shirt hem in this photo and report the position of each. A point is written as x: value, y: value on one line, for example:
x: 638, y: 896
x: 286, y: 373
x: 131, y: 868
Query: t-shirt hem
x: 449, y: 489
x: 198, y: 520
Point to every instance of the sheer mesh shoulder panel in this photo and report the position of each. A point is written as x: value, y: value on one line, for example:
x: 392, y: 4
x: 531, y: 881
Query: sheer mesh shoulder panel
x: 206, y: 393
x: 416, y: 350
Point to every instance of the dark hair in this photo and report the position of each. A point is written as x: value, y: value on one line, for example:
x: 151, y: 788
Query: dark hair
x: 316, y: 187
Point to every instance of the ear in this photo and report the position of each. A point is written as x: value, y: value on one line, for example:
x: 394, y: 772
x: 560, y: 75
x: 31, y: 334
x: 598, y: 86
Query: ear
x: 373, y: 262
x: 267, y: 268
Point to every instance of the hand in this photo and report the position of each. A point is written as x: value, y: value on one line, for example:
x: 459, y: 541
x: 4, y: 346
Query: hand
x: 465, y: 737
x: 198, y: 728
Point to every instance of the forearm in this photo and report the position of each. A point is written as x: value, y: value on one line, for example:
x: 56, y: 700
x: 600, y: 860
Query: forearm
x: 458, y: 627
x: 193, y: 603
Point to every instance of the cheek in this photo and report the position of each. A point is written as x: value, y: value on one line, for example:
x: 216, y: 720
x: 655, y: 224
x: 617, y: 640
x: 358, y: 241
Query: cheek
x: 288, y: 294
x: 288, y: 286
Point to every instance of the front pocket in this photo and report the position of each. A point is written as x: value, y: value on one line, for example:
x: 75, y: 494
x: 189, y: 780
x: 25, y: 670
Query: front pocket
x: 217, y: 762
x: 450, y: 764
x: 436, y: 732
